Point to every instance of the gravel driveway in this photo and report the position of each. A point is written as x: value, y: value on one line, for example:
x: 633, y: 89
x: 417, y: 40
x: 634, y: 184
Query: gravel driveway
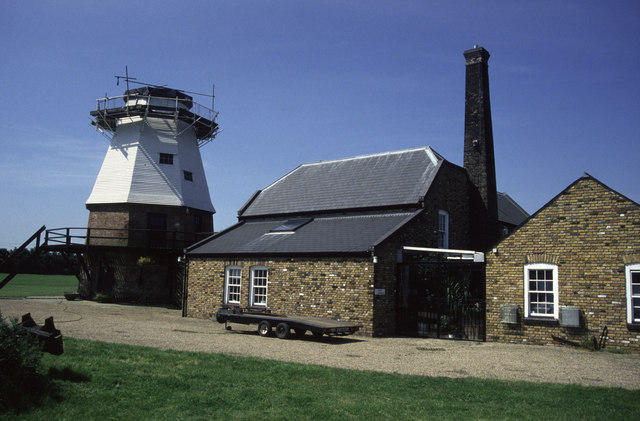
x: 165, y: 329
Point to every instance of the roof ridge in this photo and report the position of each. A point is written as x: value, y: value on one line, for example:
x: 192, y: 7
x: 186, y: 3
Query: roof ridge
x: 431, y: 154
x: 513, y: 202
x: 365, y: 215
x: 427, y: 149
x: 395, y: 178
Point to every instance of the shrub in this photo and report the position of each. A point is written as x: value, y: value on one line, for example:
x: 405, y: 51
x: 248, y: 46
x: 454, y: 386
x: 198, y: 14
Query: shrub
x: 103, y: 297
x: 21, y: 383
x: 587, y: 342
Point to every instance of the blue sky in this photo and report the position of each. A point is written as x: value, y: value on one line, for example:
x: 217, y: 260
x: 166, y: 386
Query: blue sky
x: 305, y: 81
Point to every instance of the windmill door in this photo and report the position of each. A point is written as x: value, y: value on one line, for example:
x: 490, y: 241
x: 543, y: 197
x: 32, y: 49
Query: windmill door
x: 157, y: 228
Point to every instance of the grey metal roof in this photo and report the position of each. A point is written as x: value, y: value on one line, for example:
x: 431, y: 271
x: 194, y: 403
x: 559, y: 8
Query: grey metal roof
x: 327, y: 234
x: 509, y: 211
x: 370, y: 181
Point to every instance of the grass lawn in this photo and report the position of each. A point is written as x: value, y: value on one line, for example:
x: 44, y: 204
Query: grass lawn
x: 26, y: 285
x: 96, y: 380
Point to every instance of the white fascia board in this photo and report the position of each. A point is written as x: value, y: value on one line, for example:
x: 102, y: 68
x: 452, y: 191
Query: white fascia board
x: 476, y: 256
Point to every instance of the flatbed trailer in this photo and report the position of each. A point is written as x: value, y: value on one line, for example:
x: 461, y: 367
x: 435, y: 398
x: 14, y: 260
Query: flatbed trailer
x: 283, y: 324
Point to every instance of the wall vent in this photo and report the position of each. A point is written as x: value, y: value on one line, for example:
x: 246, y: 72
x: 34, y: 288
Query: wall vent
x: 569, y: 316
x: 509, y: 314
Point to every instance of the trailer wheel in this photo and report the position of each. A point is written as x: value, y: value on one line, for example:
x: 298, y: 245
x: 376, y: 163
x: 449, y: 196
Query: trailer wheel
x: 317, y: 334
x: 264, y: 328
x: 283, y: 330
x: 300, y: 332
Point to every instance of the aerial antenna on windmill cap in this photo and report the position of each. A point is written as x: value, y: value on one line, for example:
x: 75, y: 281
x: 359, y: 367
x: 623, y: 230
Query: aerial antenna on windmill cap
x: 213, y: 96
x: 126, y: 77
x: 135, y: 80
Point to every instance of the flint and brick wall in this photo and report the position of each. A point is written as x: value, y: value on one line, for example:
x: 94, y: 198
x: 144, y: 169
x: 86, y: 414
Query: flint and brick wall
x: 129, y: 274
x: 129, y: 263
x: 591, y: 233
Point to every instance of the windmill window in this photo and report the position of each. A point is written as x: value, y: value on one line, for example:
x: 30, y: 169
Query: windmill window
x: 188, y: 175
x: 166, y: 158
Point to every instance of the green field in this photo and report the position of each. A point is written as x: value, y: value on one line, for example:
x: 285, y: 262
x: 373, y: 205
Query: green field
x: 29, y: 285
x: 96, y: 380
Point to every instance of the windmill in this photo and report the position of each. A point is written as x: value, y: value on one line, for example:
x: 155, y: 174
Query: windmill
x: 150, y: 198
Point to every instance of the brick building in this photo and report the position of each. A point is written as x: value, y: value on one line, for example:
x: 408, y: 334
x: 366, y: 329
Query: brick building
x: 570, y: 270
x: 317, y: 243
x: 333, y: 239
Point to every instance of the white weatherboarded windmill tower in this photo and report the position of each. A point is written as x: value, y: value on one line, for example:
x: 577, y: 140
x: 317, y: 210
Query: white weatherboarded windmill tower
x: 150, y: 199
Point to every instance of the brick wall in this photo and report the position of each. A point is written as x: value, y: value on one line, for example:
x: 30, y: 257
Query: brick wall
x: 448, y: 192
x: 590, y: 232
x: 337, y: 287
x: 478, y: 140
x: 113, y: 216
x: 127, y: 223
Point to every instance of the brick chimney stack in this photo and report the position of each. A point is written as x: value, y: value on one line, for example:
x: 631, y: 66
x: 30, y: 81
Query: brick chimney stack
x: 478, y: 136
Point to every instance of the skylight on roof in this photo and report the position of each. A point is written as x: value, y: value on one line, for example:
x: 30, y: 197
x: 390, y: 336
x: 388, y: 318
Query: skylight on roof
x: 291, y: 225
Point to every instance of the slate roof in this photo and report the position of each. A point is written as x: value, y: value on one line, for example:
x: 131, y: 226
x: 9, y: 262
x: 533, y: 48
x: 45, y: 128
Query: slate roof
x: 326, y: 234
x: 363, y: 182
x: 509, y: 211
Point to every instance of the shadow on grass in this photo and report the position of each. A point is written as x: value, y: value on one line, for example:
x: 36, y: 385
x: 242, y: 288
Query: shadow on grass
x: 31, y: 394
x: 38, y: 391
x: 67, y: 375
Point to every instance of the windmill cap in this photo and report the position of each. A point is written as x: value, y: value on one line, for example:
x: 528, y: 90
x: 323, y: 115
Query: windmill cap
x: 158, y: 91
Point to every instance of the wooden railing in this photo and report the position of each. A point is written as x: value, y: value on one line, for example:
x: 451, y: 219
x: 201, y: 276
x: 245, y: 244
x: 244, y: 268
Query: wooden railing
x: 96, y: 236
x: 202, y: 118
x: 6, y: 264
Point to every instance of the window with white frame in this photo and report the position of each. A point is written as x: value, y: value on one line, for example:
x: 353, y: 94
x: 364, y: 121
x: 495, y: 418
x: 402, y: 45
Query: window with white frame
x: 232, y: 280
x: 259, y: 281
x: 541, y: 290
x: 443, y: 229
x: 632, y: 274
